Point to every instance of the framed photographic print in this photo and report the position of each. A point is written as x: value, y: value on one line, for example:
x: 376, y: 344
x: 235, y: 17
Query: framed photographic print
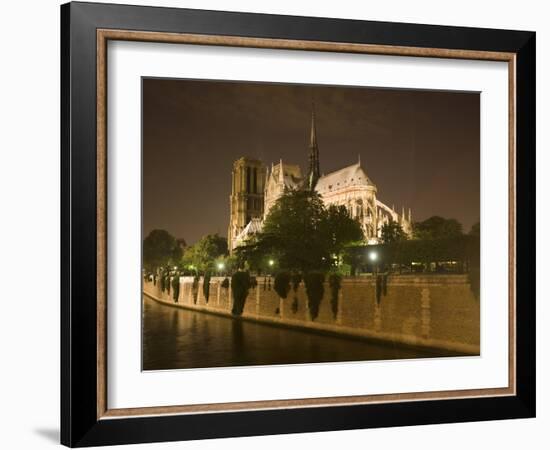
x: 276, y: 224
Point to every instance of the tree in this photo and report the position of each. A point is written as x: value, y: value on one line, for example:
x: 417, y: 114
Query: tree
x: 203, y: 254
x: 474, y: 231
x: 437, y: 228
x: 160, y: 248
x: 299, y: 233
x: 341, y: 228
x: 292, y: 230
x: 392, y: 232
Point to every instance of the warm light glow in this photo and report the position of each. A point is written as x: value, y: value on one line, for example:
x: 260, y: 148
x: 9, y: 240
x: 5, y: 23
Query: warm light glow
x: 373, y: 256
x: 221, y: 266
x: 271, y: 262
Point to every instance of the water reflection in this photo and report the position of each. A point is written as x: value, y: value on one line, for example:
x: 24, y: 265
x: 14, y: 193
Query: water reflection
x: 175, y: 338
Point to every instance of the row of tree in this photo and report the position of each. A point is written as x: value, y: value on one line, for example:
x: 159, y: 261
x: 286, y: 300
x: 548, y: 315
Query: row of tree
x: 209, y: 254
x: 300, y: 234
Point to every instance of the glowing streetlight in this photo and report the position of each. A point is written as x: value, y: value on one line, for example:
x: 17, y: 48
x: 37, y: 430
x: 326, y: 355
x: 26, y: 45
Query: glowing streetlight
x: 373, y: 256
x: 221, y: 266
x: 271, y: 262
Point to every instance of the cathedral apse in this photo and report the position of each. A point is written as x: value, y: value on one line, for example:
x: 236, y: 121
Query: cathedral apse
x: 256, y: 187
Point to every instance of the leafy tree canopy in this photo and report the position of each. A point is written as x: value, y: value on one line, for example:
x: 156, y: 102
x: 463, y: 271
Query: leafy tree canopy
x: 474, y: 231
x: 203, y: 254
x: 392, y: 232
x: 341, y: 228
x: 160, y: 248
x: 437, y: 228
x: 299, y: 233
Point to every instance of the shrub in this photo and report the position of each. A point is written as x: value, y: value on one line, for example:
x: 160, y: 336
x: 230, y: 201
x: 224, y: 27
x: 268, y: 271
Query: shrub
x: 195, y: 287
x: 473, y: 278
x: 335, y: 282
x: 381, y: 287
x: 295, y: 305
x: 296, y: 279
x: 225, y: 283
x: 281, y: 284
x: 240, y: 282
x: 206, y: 286
x: 176, y: 287
x: 314, y: 290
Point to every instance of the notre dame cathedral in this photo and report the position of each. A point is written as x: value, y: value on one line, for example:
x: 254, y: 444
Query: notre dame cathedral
x: 255, y: 188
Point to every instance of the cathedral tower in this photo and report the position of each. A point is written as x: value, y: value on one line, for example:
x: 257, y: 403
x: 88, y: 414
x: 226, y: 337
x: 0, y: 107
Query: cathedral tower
x: 314, y: 171
x: 246, y: 201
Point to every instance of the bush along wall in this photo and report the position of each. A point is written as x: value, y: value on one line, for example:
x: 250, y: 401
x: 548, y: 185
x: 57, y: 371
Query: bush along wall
x: 381, y: 287
x: 335, y: 283
x: 296, y: 279
x: 294, y: 305
x: 225, y: 283
x: 281, y: 284
x: 473, y: 278
x: 195, y: 288
x: 176, y: 287
x: 165, y: 282
x: 206, y: 286
x: 240, y: 283
x: 314, y: 290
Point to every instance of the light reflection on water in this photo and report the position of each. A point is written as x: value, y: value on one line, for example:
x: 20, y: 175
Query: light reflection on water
x: 175, y: 338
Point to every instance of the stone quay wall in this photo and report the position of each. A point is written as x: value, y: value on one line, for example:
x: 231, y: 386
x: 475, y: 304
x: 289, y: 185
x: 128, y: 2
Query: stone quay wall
x: 431, y: 311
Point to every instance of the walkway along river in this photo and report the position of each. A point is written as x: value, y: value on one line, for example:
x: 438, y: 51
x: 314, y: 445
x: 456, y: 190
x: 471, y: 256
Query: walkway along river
x: 176, y: 338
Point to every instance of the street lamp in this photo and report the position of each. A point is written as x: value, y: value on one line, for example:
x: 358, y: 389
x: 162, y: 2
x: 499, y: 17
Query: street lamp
x: 221, y: 266
x: 373, y: 256
x: 271, y: 262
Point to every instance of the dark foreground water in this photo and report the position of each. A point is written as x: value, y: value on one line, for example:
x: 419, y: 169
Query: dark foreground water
x: 175, y: 338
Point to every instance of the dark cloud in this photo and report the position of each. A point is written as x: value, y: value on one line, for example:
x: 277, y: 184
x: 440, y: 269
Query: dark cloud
x: 421, y: 148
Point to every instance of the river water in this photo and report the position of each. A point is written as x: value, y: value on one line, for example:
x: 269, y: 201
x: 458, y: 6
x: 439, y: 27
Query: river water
x: 175, y: 338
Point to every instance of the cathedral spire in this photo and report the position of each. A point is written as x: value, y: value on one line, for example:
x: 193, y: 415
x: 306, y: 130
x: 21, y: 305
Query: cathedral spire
x: 314, y: 170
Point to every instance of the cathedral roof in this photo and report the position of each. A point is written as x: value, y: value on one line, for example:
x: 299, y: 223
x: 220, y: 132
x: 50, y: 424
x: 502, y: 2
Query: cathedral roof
x: 353, y: 175
x: 253, y: 227
x: 292, y: 175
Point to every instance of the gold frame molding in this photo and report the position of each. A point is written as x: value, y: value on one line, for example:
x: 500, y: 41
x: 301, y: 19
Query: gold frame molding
x: 103, y: 36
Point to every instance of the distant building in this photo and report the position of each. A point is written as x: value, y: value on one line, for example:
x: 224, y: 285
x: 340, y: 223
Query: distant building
x: 246, y: 202
x: 255, y: 190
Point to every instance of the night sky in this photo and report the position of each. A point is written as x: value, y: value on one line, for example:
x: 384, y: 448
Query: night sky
x: 420, y: 148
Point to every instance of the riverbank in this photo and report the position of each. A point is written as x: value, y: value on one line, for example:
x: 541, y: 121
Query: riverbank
x: 437, y: 314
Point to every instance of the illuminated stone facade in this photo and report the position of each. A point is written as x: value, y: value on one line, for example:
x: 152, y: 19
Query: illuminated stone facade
x: 256, y: 189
